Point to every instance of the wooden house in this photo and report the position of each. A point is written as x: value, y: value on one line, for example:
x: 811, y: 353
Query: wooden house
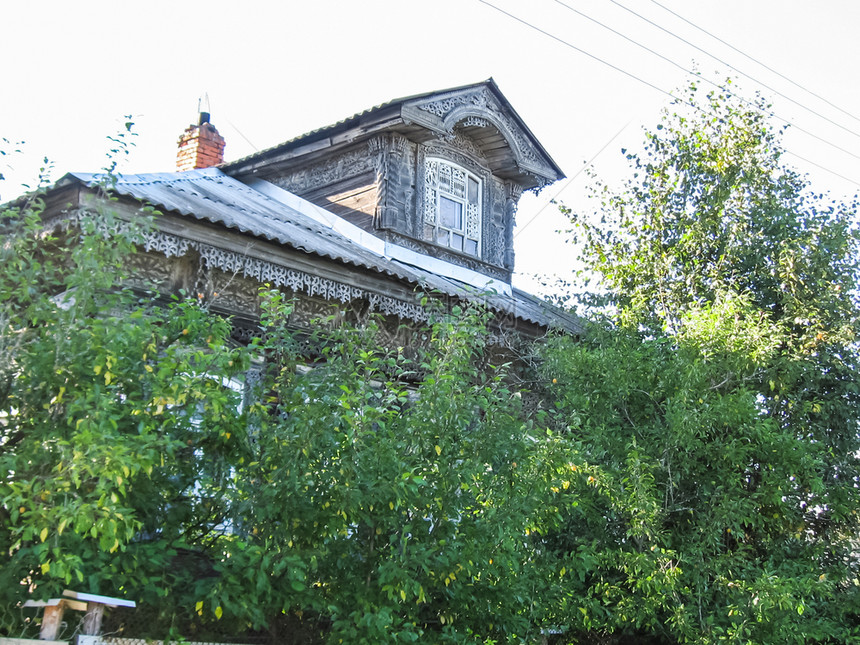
x: 417, y: 195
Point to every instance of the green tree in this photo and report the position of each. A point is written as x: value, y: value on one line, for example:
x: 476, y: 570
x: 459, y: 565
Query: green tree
x: 114, y: 423
x: 719, y: 393
x: 376, y: 497
x: 391, y: 496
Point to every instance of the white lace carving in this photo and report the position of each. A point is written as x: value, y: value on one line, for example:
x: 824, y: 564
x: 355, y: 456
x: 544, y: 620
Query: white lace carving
x: 280, y: 276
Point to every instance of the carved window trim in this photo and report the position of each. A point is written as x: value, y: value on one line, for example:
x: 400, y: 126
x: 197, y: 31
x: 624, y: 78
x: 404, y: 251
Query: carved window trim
x: 453, y: 206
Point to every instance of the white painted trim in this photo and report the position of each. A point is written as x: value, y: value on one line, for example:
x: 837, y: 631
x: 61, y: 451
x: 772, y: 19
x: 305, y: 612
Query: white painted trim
x: 102, y: 600
x: 446, y: 269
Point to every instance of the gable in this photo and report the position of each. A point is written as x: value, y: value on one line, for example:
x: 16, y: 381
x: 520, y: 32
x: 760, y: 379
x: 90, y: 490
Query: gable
x: 480, y: 115
x: 479, y: 111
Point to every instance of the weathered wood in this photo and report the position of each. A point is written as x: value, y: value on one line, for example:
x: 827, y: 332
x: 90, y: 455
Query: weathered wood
x: 70, y: 604
x: 51, y: 620
x: 356, y: 206
x: 92, y: 623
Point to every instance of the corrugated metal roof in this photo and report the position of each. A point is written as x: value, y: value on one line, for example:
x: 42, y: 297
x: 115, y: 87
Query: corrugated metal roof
x: 266, y: 211
x: 208, y: 194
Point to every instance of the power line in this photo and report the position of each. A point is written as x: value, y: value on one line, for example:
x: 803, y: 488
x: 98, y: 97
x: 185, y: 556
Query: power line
x: 756, y: 61
x: 717, y: 85
x: 641, y: 80
x: 818, y: 165
x: 581, y: 51
x: 568, y: 182
x: 605, y: 146
x: 752, y: 78
x: 241, y: 134
x: 689, y: 71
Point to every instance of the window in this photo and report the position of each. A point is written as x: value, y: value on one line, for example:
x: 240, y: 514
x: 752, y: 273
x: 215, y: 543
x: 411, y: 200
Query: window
x: 452, y: 206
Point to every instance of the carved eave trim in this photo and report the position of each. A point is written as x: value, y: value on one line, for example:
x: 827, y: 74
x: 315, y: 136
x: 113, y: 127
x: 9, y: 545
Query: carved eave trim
x: 267, y: 272
x: 278, y: 275
x: 246, y: 261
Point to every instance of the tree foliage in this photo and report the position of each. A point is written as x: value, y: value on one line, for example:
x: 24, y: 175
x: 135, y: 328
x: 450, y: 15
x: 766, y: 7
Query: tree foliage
x: 725, y: 371
x: 403, y: 511
x: 351, y: 492
x: 114, y: 424
x: 686, y: 473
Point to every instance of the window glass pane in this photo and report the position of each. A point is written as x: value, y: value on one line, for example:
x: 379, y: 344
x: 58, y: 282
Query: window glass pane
x: 450, y: 213
x: 442, y: 237
x: 456, y: 241
x: 471, y: 247
x: 473, y: 191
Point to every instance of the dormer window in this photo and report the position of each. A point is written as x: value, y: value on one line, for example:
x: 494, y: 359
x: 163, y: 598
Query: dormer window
x: 452, y: 205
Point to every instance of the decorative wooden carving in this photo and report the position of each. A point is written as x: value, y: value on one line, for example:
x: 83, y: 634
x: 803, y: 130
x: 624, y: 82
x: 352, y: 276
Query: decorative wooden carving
x: 483, y: 101
x: 263, y: 271
x: 463, y: 143
x: 329, y: 171
x: 459, y: 259
x: 149, y: 270
x: 233, y: 292
x: 168, y: 262
x: 492, y: 236
x: 442, y: 107
x: 395, y: 180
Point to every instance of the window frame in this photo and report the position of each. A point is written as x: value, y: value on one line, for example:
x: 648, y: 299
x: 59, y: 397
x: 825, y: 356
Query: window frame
x: 451, y: 183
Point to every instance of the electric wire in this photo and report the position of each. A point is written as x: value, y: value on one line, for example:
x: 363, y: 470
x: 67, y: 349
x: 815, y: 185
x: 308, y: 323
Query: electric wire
x: 756, y: 61
x: 752, y: 78
x: 241, y: 134
x: 580, y: 50
x: 717, y: 85
x: 818, y: 165
x: 522, y: 228
x: 567, y: 183
x: 643, y: 81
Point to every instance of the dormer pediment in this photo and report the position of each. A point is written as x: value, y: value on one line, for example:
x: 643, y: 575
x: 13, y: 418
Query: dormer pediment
x: 480, y: 114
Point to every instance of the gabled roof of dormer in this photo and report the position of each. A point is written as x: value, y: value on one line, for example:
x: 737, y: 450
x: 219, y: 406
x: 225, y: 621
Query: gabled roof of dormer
x: 480, y: 111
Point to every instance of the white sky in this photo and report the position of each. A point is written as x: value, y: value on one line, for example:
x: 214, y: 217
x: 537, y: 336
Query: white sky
x: 274, y: 70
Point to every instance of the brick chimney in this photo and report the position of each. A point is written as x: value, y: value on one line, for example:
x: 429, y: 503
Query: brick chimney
x: 200, y: 146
